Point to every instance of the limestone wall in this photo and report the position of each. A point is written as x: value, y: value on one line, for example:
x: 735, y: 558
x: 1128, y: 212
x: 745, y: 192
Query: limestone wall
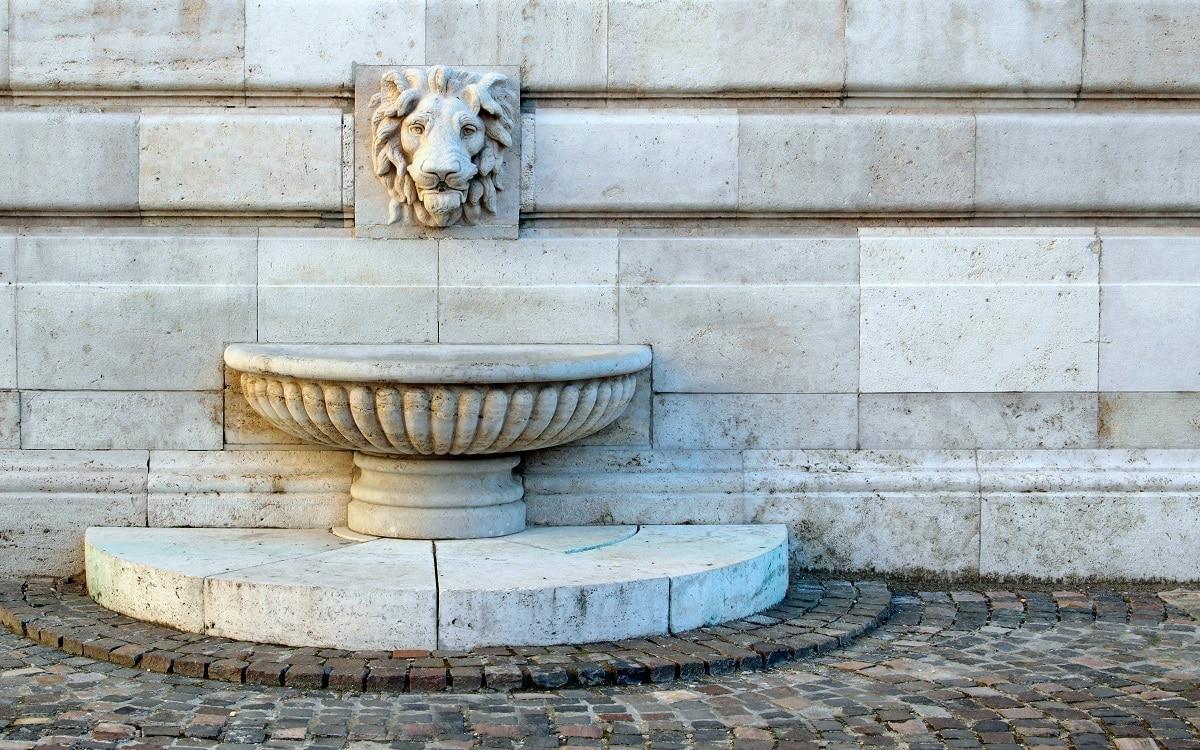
x: 922, y: 277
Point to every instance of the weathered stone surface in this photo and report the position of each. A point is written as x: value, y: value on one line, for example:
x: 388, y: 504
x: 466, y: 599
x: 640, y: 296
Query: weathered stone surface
x: 1064, y: 514
x: 1142, y: 346
x: 104, y: 166
x: 561, y: 45
x: 273, y: 160
x: 1141, y: 45
x: 855, y: 162
x: 52, y: 496
x: 247, y: 488
x: 296, y: 44
x: 870, y: 510
x: 964, y: 45
x: 769, y: 339
x: 361, y: 596
x: 316, y: 289
x: 1088, y: 162
x: 977, y: 420
x: 623, y: 486
x: 86, y: 44
x: 122, y: 419
x: 759, y: 260
x: 776, y: 45
x: 10, y: 420
x: 529, y: 291
x: 634, y: 160
x: 1149, y: 420
x: 8, y: 316
x: 743, y: 420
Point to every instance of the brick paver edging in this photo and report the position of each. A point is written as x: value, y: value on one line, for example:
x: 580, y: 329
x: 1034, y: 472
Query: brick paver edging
x: 814, y: 617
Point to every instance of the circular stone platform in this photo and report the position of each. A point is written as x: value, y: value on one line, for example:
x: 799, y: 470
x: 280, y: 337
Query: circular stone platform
x: 815, y: 616
x: 543, y: 586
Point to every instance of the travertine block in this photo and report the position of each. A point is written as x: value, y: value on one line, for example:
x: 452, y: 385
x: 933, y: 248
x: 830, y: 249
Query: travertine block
x: 737, y: 45
x: 531, y: 291
x: 103, y: 172
x: 1149, y: 420
x: 750, y: 420
x: 4, y: 46
x: 609, y: 485
x: 1141, y: 45
x: 854, y: 162
x: 50, y: 497
x: 149, y: 257
x: 977, y: 420
x: 739, y: 260
x: 1149, y: 313
x: 249, y: 488
x: 297, y: 44
x: 121, y: 419
x: 634, y: 160
x: 8, y: 315
x: 10, y: 420
x: 979, y: 256
x: 561, y: 45
x: 89, y: 44
x: 964, y: 45
x: 1106, y: 513
x: 315, y: 290
x: 746, y: 339
x: 1087, y: 162
x: 253, y: 160
x: 897, y: 511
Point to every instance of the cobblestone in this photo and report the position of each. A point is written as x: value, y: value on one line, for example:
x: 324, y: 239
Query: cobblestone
x: 950, y: 669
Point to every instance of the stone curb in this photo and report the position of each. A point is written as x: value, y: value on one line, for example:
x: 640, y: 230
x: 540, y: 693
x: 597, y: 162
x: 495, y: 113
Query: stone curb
x: 815, y: 617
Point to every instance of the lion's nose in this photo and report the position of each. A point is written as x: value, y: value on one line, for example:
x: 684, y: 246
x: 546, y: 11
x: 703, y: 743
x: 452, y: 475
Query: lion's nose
x: 443, y: 169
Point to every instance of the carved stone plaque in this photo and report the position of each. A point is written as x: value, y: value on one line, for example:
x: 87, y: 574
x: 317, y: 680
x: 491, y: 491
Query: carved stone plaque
x: 437, y: 151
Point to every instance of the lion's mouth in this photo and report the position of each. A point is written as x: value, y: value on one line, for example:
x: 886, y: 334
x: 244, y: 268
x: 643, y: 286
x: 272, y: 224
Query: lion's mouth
x: 442, y: 201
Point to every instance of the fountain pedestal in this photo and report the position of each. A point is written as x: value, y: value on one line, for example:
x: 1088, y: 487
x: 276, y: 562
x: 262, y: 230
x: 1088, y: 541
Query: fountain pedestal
x: 421, y: 498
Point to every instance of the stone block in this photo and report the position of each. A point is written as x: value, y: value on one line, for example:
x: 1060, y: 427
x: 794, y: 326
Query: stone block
x: 561, y: 45
x: 133, y: 256
x: 880, y: 511
x: 104, y: 165
x: 249, y: 488
x: 766, y: 260
x: 633, y: 160
x: 241, y: 161
x: 1106, y: 513
x: 625, y: 486
x: 8, y: 315
x: 158, y: 574
x: 94, y: 45
x: 1149, y: 420
x: 1088, y: 162
x: 4, y: 47
x: 964, y: 45
x: 746, y: 339
x: 50, y: 497
x: 530, y: 291
x: 1141, y: 46
x: 855, y: 162
x: 1149, y: 312
x: 739, y: 46
x: 296, y: 44
x: 316, y: 289
x: 750, y: 420
x: 10, y: 420
x: 121, y: 419
x: 977, y: 420
x: 330, y: 600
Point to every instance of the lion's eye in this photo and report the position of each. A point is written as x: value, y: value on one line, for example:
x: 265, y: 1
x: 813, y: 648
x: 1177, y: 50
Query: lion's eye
x: 469, y: 130
x: 416, y: 128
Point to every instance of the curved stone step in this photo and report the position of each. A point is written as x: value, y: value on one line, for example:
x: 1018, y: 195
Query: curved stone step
x: 543, y: 586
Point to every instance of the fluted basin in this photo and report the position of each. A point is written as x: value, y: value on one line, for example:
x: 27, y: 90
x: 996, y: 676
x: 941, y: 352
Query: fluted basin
x: 403, y: 407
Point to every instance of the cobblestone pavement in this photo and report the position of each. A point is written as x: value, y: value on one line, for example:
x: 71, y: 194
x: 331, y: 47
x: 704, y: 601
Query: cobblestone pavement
x: 949, y: 669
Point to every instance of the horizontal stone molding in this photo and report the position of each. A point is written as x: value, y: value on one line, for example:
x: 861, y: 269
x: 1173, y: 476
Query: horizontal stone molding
x: 598, y: 47
x: 283, y: 164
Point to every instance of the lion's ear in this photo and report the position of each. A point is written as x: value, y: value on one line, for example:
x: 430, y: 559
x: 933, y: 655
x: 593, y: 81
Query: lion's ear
x: 490, y: 94
x: 388, y: 86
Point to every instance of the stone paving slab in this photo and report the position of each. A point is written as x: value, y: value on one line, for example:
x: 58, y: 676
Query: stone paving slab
x: 814, y: 617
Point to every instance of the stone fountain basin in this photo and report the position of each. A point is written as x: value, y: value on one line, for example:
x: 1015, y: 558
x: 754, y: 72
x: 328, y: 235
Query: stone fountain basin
x: 438, y: 399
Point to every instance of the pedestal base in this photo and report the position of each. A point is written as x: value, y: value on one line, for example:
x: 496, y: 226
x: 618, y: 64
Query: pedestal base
x: 436, y: 498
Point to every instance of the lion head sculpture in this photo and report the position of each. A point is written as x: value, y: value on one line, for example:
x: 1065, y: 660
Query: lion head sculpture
x: 439, y: 137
